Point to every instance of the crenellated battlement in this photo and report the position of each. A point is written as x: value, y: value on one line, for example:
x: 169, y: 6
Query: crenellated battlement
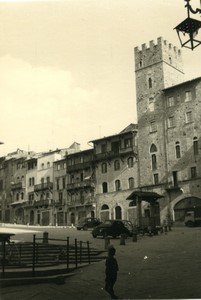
x: 157, y: 52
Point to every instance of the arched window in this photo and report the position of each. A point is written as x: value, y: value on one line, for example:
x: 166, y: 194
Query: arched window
x: 48, y: 164
x: 130, y: 162
x: 153, y: 148
x: 22, y: 196
x: 117, y: 185
x: 116, y: 165
x: 42, y: 181
x: 104, y: 207
x: 32, y: 180
x: 104, y: 187
x: 177, y: 149
x: 104, y: 168
x: 131, y: 183
x: 29, y: 181
x: 150, y: 83
x: 195, y: 146
x: 17, y: 196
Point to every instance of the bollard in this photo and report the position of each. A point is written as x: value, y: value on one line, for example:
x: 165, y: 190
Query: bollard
x: 134, y: 236
x: 45, y: 237
x: 122, y: 239
x: 107, y: 242
x: 166, y: 229
x: 161, y: 230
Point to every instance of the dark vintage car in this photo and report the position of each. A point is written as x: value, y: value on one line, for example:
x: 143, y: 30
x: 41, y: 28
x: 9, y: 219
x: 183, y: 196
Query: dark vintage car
x: 113, y: 228
x: 86, y: 223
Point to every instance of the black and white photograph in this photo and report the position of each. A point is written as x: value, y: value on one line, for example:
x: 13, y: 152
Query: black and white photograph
x: 100, y: 149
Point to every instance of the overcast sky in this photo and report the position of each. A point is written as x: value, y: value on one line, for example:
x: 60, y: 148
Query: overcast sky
x: 67, y: 67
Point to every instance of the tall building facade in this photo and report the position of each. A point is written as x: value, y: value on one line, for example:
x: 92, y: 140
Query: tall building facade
x: 168, y: 129
x: 116, y: 174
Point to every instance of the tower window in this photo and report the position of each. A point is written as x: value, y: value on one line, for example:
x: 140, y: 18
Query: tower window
x: 171, y: 122
x: 150, y: 83
x: 193, y: 172
x: 153, y: 162
x: 156, y: 178
x: 188, y: 96
x: 153, y: 126
x: 177, y: 149
x: 189, y: 117
x: 175, y: 180
x: 195, y: 146
x: 104, y: 187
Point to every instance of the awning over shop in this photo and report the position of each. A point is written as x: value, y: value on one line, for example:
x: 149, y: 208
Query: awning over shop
x: 146, y: 196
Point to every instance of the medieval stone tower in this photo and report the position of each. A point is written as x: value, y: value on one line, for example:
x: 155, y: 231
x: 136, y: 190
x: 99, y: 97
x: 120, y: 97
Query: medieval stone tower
x: 157, y: 67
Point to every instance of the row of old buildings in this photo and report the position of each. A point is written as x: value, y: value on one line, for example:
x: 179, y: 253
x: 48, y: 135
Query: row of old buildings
x: 148, y: 171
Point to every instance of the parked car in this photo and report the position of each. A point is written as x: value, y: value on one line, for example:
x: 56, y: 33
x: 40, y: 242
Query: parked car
x: 86, y: 223
x: 113, y: 228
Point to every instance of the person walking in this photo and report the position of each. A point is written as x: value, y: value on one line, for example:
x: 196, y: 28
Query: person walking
x: 111, y: 272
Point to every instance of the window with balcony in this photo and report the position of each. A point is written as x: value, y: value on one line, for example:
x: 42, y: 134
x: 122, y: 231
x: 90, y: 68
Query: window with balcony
x: 117, y: 185
x: 57, y: 184
x: 22, y: 196
x: 177, y: 149
x: 105, y: 187
x: 32, y: 181
x: 131, y: 183
x: 127, y: 143
x: 48, y: 179
x: 195, y: 146
x: 116, y: 165
x: 104, y: 167
x: 115, y: 147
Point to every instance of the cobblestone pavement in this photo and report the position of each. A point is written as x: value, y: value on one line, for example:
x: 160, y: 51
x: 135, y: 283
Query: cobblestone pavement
x: 167, y: 266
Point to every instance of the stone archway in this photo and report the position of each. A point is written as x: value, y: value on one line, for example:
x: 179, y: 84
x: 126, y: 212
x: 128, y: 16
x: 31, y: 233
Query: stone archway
x: 104, y: 213
x: 184, y: 205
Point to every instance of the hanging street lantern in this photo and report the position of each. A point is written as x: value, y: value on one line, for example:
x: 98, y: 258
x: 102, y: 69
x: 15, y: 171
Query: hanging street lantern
x: 188, y: 30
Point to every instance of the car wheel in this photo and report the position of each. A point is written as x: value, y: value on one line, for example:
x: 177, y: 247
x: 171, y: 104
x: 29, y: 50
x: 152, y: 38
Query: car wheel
x: 85, y: 227
x: 78, y: 228
x: 189, y: 224
x: 94, y: 235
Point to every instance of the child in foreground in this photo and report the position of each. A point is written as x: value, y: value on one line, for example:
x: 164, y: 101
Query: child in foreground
x: 111, y: 272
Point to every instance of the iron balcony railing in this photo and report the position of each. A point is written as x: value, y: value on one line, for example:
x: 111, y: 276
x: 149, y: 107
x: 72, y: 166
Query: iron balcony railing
x: 16, y: 186
x: 43, y: 186
x: 82, y: 184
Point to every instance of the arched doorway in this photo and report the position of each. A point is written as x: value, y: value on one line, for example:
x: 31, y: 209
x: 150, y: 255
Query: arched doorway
x: 118, y: 212
x: 31, y: 217
x: 92, y: 214
x: 104, y: 214
x: 184, y: 205
x: 19, y: 216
